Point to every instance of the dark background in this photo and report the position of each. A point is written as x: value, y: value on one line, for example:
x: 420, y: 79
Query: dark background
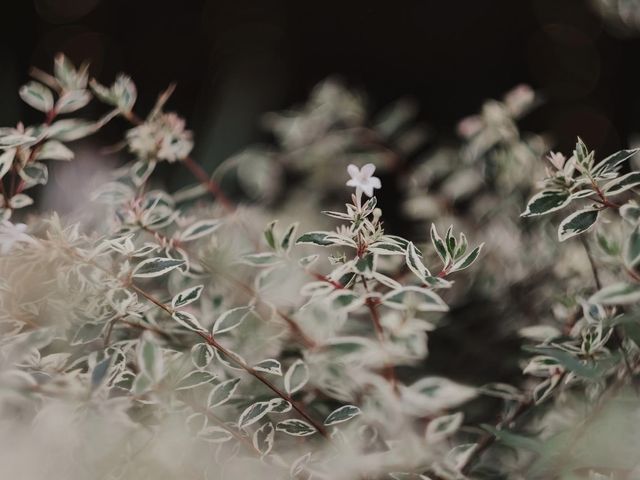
x: 235, y: 59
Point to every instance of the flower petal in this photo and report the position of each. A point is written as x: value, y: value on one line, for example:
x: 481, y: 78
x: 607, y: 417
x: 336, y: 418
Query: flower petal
x: 353, y: 170
x: 375, y: 182
x: 367, y: 170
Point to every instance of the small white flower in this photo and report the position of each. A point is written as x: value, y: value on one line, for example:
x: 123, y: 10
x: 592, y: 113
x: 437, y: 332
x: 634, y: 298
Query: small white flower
x: 10, y: 234
x: 362, y: 179
x: 556, y: 159
x: 162, y: 137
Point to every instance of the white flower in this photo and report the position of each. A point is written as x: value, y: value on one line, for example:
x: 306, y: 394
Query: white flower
x: 557, y: 160
x: 362, y: 179
x: 10, y: 234
x: 162, y: 137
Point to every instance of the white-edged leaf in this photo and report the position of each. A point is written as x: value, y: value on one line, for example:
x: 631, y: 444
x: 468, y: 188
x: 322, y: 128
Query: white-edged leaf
x: 141, y: 170
x: 202, y: 354
x: 612, y: 161
x: 439, y: 245
x: 296, y: 377
x: 195, y: 379
x: 342, y: 414
x: 6, y: 160
x: 150, y: 360
x: 230, y: 320
x: 199, y: 229
x: 215, y: 434
x: 622, y: 184
x: 632, y: 248
x: 264, y: 259
x: 443, y: 427
x: 419, y: 298
x: 308, y: 260
x: 468, y: 260
x: 315, y: 238
x: 287, y: 239
x: 280, y: 405
x: 54, y: 150
x: 617, y: 294
x: 295, y: 427
x: 187, y: 296
x: 547, y: 201
x: 345, y: 300
x: 253, y: 413
x: 37, y: 95
x: 269, y: 365
x: 263, y: 438
x: 71, y: 129
x: 188, y: 320
x: 20, y: 200
x: 414, y: 263
x: 154, y: 267
x: 72, y: 100
x: 222, y: 392
x: 577, y: 223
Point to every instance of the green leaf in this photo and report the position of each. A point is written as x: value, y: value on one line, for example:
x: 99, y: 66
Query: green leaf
x: 386, y: 248
x: 199, y: 229
x: 6, y: 161
x: 88, y: 332
x: 72, y: 100
x: 34, y: 174
x: 124, y: 92
x: 577, y: 223
x: 612, y: 161
x: 99, y: 373
x: 187, y: 296
x: 622, y: 184
x: 566, y: 360
x: 315, y: 238
x: 342, y: 414
x: 270, y: 365
x: 546, y: 201
x: 201, y: 354
x: 215, y: 434
x: 439, y: 245
x: 70, y: 129
x: 230, y: 320
x: 263, y: 438
x: 194, y: 379
x: 297, y: 428
x: 253, y: 413
x: 288, y: 235
x: 442, y: 427
x: 269, y: 234
x: 414, y: 263
x: 150, y: 360
x: 189, y: 321
x: 141, y: 170
x: 296, y: 377
x: 54, y: 150
x: 265, y: 259
x: 344, y: 299
x: 617, y: 294
x: 421, y: 299
x: 37, y: 96
x: 467, y: 261
x: 630, y: 212
x: 515, y: 440
x: 632, y: 248
x: 154, y: 267
x: 222, y: 392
